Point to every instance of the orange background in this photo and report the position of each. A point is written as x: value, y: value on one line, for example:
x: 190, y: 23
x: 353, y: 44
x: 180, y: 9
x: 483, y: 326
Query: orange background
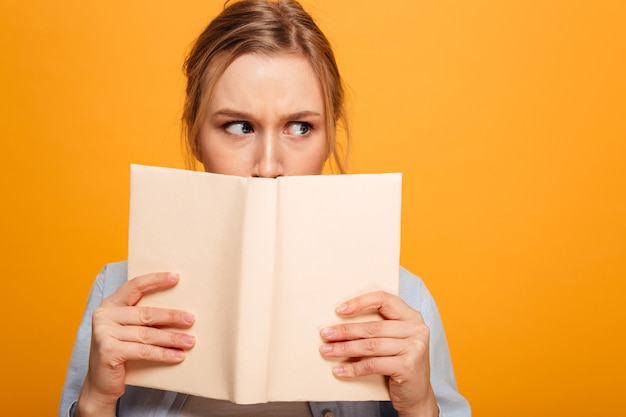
x: 507, y: 118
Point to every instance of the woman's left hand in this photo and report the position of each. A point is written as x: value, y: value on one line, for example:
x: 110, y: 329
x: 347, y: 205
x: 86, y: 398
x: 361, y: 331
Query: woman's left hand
x: 396, y: 347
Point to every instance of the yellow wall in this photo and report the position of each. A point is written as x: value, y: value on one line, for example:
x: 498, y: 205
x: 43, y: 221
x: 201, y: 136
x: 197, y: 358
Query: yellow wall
x: 507, y: 118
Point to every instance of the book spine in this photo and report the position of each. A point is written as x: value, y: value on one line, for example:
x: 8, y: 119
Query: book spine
x: 256, y: 288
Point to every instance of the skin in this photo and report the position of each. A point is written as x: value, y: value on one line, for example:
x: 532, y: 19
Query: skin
x: 266, y: 119
x: 396, y: 347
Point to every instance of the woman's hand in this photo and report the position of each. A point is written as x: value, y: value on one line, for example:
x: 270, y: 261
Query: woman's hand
x: 122, y: 331
x: 396, y: 347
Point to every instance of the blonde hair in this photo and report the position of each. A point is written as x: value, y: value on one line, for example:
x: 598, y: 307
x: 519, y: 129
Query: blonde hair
x: 262, y: 27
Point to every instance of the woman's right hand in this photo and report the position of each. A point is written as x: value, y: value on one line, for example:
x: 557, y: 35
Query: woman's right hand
x: 123, y: 331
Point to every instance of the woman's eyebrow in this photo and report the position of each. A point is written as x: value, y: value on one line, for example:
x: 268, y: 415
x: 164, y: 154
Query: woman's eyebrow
x: 301, y: 115
x: 233, y: 114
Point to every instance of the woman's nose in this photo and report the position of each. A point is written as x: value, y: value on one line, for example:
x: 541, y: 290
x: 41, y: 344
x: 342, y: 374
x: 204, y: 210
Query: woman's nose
x: 269, y: 162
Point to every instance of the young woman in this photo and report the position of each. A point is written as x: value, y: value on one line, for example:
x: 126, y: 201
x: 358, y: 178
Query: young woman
x: 264, y: 98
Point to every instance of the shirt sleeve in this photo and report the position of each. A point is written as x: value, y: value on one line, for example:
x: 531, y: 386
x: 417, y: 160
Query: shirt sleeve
x: 451, y: 402
x: 79, y: 360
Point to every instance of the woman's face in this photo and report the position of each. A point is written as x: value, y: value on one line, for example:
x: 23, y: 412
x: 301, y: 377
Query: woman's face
x: 266, y: 119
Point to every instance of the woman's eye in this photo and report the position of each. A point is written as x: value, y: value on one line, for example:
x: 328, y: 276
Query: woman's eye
x: 239, y: 128
x: 299, y: 128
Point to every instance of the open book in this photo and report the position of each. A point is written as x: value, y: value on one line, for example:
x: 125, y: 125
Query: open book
x: 263, y: 264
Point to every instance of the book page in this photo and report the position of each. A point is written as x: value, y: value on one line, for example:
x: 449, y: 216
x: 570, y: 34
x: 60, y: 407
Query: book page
x: 338, y: 236
x: 190, y: 223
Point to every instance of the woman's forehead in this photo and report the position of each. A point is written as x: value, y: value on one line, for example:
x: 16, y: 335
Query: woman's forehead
x: 279, y: 82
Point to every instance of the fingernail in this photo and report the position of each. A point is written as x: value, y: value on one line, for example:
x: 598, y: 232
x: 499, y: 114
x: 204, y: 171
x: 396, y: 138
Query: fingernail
x: 178, y: 354
x: 342, y: 308
x: 172, y: 276
x: 339, y: 370
x: 189, y: 318
x: 189, y: 340
x: 327, y: 332
x: 326, y: 348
